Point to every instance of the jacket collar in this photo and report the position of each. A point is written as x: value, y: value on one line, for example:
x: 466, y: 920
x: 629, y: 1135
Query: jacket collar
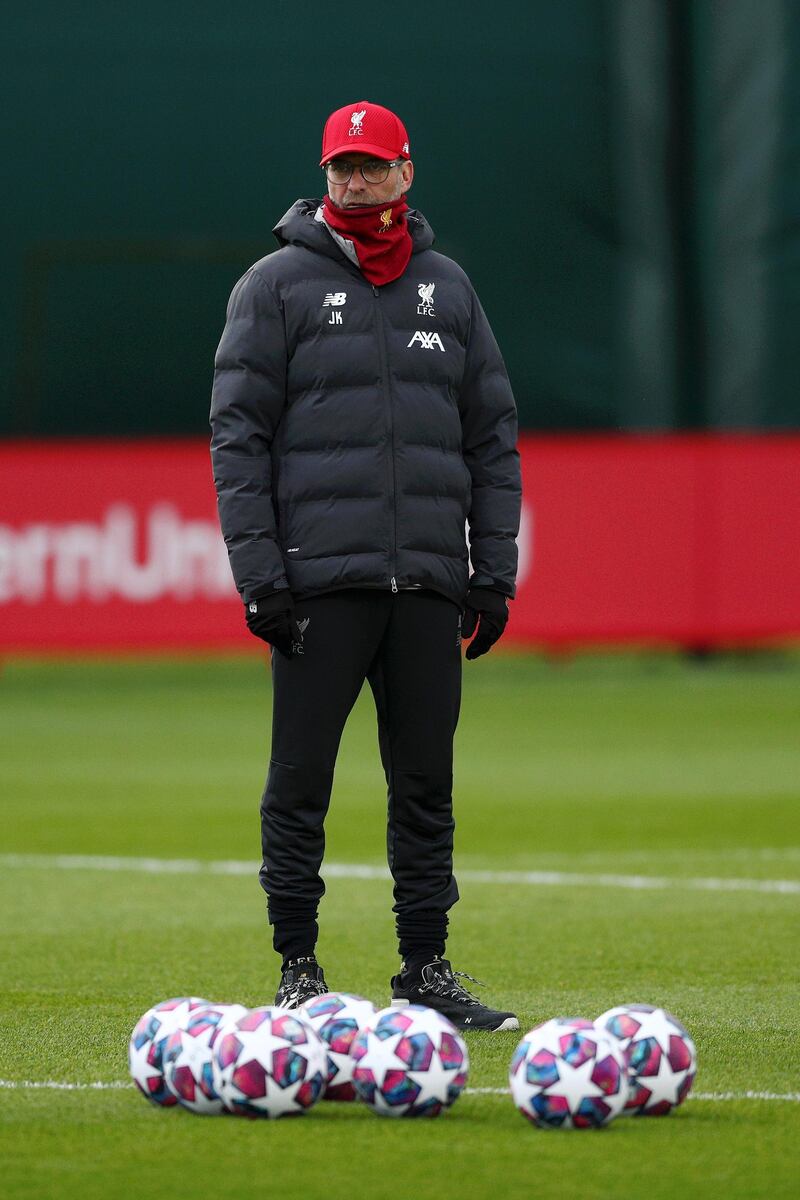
x: 301, y: 227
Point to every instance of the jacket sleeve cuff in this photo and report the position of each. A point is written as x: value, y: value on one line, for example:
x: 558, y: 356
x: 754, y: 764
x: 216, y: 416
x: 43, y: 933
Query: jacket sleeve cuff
x: 479, y: 580
x: 262, y: 591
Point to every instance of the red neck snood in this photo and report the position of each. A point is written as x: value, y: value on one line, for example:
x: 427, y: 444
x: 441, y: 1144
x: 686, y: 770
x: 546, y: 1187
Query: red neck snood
x: 379, y: 233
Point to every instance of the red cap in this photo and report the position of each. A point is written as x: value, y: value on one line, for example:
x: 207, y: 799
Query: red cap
x: 366, y: 129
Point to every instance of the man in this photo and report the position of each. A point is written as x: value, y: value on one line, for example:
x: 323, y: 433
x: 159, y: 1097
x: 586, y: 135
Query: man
x: 361, y: 414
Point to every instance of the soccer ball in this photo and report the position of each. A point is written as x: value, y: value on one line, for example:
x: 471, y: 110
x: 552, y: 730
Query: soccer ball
x: 567, y: 1074
x: 338, y: 1018
x: 147, y: 1042
x: 660, y: 1053
x: 409, y: 1062
x: 187, y: 1057
x: 269, y: 1063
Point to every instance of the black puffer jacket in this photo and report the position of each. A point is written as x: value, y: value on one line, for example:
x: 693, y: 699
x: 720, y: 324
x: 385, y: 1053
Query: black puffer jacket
x: 356, y: 428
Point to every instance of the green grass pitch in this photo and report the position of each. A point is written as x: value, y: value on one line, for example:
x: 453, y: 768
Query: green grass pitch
x: 637, y: 766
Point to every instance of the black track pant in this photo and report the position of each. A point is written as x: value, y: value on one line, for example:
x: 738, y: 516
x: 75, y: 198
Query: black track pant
x: 407, y: 645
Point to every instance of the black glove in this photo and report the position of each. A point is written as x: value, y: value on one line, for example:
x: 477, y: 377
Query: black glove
x: 271, y: 618
x: 490, y: 607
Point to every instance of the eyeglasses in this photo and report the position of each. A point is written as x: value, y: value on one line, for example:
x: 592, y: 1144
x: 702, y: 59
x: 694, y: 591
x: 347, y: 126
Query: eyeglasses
x: 374, y: 170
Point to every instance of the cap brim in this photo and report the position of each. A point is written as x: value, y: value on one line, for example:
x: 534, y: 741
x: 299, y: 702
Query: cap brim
x: 359, y: 147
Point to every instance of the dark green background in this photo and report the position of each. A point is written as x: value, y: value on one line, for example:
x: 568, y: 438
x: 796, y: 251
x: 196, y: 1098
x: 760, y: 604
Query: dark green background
x: 618, y: 177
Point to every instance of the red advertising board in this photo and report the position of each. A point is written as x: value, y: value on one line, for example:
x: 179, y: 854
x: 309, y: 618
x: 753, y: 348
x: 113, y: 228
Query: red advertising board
x: 693, y: 540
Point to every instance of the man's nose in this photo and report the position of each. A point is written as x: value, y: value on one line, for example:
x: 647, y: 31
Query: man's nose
x: 361, y: 182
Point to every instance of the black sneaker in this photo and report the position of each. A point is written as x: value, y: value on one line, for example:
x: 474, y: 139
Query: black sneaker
x: 302, y: 980
x: 436, y: 986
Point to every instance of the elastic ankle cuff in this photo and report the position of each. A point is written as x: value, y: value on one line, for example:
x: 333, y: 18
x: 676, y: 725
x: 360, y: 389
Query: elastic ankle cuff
x: 297, y: 960
x: 420, y: 958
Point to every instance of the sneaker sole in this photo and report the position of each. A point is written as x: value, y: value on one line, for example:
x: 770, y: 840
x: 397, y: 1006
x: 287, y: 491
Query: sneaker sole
x: 504, y: 1027
x: 509, y: 1023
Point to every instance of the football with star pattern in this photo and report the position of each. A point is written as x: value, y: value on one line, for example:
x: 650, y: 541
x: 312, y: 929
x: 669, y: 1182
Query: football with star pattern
x: 338, y: 1018
x: 147, y: 1042
x: 660, y: 1054
x: 187, y: 1057
x: 269, y: 1063
x: 409, y: 1062
x: 568, y: 1074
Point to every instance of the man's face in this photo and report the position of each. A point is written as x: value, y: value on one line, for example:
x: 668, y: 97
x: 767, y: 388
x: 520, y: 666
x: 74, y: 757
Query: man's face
x: 359, y: 192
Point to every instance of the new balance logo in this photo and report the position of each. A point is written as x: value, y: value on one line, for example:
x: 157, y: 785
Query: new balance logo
x: 334, y: 299
x: 428, y: 341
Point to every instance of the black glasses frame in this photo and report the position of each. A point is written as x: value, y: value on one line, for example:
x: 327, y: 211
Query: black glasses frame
x: 396, y: 162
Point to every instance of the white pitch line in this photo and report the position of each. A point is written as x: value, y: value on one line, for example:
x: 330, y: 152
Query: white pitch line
x: 715, y: 1097
x: 57, y: 1086
x: 195, y: 866
x: 788, y: 1097
x: 125, y: 1085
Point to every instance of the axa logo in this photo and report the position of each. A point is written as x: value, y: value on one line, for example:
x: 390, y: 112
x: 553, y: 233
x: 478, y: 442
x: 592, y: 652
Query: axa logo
x: 425, y: 306
x: 355, y: 129
x: 428, y: 341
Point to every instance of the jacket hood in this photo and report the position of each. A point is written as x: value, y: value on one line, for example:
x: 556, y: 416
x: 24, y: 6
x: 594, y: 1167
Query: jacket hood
x: 298, y: 227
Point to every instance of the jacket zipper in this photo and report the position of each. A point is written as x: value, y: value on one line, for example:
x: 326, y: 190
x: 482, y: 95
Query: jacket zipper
x: 388, y: 396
